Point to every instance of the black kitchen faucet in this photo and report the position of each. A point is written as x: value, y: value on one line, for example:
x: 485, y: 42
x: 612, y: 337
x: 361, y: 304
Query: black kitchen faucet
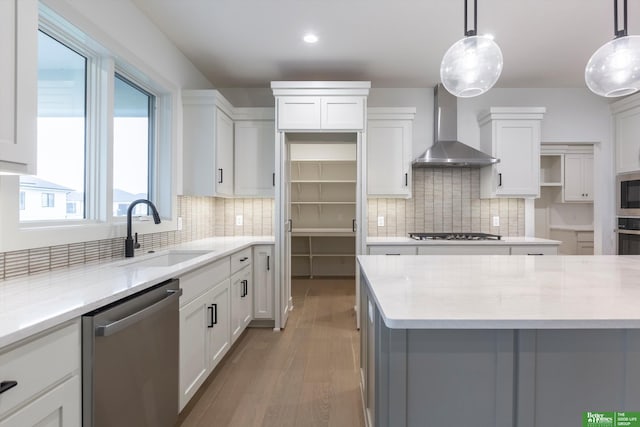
x: 129, y: 243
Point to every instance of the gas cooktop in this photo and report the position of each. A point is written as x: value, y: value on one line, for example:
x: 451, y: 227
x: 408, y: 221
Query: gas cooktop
x: 454, y: 236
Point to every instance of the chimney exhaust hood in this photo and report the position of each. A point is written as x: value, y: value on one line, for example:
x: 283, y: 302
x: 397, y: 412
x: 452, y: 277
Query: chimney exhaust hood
x: 446, y: 150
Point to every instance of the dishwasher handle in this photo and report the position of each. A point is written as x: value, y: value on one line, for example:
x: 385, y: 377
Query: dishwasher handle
x: 118, y: 325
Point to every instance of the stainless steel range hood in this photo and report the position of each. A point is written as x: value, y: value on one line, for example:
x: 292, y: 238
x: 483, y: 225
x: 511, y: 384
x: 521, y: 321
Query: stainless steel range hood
x: 447, y: 151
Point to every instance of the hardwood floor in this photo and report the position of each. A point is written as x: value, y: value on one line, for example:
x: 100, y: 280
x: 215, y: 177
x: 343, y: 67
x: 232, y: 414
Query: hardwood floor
x: 306, y: 375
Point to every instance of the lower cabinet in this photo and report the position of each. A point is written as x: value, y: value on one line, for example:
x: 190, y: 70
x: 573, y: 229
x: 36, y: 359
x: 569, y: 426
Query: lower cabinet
x: 463, y: 250
x: 46, y: 373
x: 241, y: 302
x: 263, y: 281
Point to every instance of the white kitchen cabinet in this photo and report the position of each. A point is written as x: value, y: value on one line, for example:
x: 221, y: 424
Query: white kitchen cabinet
x: 241, y: 302
x: 578, y: 178
x: 464, y: 249
x: 321, y: 113
x: 205, y: 331
x: 534, y: 250
x: 389, y: 151
x: 626, y: 113
x: 254, y: 150
x: 263, y: 281
x: 18, y: 85
x: 392, y: 250
x: 207, y: 144
x: 512, y: 134
x: 47, y: 372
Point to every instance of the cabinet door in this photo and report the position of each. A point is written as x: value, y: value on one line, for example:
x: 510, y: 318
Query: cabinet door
x: 218, y: 323
x: 18, y: 85
x: 58, y: 407
x: 224, y: 154
x: 518, y: 148
x: 254, y: 158
x: 239, y: 302
x: 298, y: 112
x: 463, y: 250
x: 263, y: 279
x: 247, y: 299
x: 627, y: 129
x: 389, y: 158
x: 342, y: 112
x: 578, y: 178
x: 194, y: 363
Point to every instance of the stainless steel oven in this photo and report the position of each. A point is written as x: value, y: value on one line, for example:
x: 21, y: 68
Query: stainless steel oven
x: 628, y: 236
x: 628, y: 194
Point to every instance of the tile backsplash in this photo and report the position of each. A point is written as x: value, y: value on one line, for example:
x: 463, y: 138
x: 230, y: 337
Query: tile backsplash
x: 202, y: 217
x: 445, y: 199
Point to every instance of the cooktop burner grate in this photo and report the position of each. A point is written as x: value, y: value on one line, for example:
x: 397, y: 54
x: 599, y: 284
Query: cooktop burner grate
x: 454, y: 236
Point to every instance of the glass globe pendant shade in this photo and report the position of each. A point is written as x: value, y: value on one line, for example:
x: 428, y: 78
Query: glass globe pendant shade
x: 471, y: 66
x: 614, y: 69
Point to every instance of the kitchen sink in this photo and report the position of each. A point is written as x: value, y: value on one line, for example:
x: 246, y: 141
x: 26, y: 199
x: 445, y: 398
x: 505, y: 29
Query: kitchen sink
x: 165, y: 259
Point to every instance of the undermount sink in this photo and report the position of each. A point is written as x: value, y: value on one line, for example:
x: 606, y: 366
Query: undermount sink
x: 166, y: 259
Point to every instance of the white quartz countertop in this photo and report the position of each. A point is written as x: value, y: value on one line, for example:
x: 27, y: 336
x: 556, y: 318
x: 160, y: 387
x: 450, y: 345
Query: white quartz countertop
x: 505, y: 291
x: 32, y: 304
x: 571, y: 227
x: 510, y: 241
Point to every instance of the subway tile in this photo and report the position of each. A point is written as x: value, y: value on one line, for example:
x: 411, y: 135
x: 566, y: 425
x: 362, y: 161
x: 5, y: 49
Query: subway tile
x: 1, y: 265
x: 76, y: 253
x: 91, y: 251
x: 16, y: 263
x: 59, y: 256
x: 39, y: 260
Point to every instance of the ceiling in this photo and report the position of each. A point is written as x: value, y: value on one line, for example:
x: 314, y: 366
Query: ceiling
x: 392, y: 43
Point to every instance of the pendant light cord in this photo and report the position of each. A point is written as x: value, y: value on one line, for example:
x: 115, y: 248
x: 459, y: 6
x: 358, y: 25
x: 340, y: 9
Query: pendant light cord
x: 475, y: 18
x: 616, y: 31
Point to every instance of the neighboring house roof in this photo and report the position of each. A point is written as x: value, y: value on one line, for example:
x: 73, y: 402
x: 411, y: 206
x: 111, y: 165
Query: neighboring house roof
x: 121, y: 196
x: 34, y: 183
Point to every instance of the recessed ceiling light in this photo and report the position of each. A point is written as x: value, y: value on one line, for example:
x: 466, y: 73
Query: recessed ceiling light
x: 310, y: 38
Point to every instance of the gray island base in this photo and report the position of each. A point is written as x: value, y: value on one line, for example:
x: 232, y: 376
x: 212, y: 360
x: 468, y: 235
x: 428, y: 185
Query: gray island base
x: 498, y: 341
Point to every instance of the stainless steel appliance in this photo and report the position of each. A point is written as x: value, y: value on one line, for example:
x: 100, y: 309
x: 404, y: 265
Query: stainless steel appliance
x: 454, y: 236
x: 628, y: 194
x: 628, y: 236
x: 130, y: 360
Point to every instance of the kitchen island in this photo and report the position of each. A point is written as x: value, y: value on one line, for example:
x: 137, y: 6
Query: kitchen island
x: 498, y: 340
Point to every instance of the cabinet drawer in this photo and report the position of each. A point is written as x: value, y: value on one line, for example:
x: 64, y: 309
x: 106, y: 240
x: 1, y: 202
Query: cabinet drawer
x: 392, y: 250
x: 240, y: 259
x: 534, y: 250
x: 197, y: 282
x: 463, y: 250
x: 39, y: 364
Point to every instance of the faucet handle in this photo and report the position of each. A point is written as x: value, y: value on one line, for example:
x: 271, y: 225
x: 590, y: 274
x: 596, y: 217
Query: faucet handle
x: 136, y: 245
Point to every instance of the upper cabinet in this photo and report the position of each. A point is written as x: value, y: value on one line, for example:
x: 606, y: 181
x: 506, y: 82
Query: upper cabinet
x: 254, y: 148
x: 389, y: 150
x: 512, y: 134
x: 18, y: 85
x: 227, y: 151
x: 626, y: 113
x: 207, y: 143
x: 320, y: 106
x: 578, y: 178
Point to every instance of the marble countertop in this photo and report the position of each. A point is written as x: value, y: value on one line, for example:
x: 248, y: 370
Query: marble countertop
x: 511, y: 241
x: 505, y: 292
x: 32, y: 304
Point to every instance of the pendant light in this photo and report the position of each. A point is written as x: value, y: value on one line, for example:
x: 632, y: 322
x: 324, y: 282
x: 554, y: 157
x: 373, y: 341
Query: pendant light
x: 614, y: 69
x: 473, y: 64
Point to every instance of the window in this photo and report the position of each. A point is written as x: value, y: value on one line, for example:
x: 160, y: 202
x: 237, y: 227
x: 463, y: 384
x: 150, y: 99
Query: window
x: 71, y: 208
x: 61, y: 127
x: 133, y: 139
x: 21, y: 202
x: 48, y: 200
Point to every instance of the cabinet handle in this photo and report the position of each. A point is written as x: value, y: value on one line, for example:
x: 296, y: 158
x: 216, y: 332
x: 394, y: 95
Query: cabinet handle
x: 274, y: 179
x: 500, y: 180
x: 215, y: 315
x: 244, y: 259
x: 353, y: 225
x: 391, y: 254
x: 406, y: 179
x: 220, y: 182
x: 7, y: 385
x: 290, y: 225
x: 535, y: 254
x: 245, y: 288
x: 268, y: 263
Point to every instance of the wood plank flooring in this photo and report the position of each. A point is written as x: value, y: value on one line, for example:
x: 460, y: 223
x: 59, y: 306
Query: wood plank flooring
x: 306, y: 375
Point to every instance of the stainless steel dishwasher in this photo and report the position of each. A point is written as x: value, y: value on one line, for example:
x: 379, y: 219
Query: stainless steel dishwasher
x: 130, y: 360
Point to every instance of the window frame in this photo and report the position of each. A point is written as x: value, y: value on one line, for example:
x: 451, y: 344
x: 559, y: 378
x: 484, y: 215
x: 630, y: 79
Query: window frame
x: 99, y: 222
